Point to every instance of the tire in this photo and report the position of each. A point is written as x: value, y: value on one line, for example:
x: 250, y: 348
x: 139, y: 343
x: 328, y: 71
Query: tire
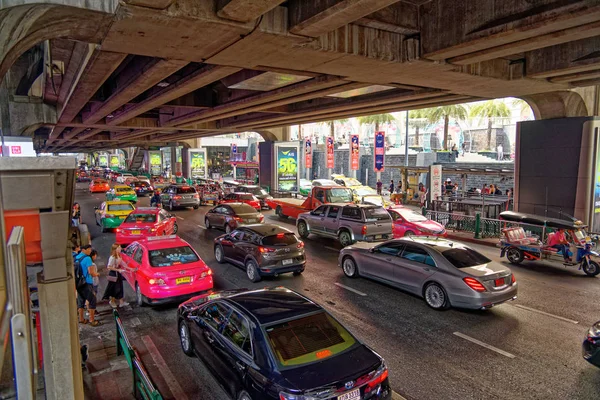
x: 139, y: 297
x: 207, y: 223
x: 243, y: 395
x: 435, y: 296
x: 298, y: 273
x: 349, y: 267
x: 303, y: 229
x: 196, y: 207
x: 280, y: 213
x: 175, y: 228
x: 170, y: 206
x: 103, y: 229
x: 409, y: 233
x: 252, y: 271
x: 591, y: 269
x: 228, y: 228
x: 345, y: 238
x: 514, y: 255
x: 219, y: 254
x: 185, y: 339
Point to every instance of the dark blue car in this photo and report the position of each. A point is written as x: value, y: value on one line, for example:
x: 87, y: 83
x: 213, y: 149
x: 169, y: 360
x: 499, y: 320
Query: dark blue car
x: 277, y: 344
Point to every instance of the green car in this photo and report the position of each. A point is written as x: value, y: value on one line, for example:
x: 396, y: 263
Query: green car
x: 121, y: 192
x: 111, y: 214
x: 305, y: 187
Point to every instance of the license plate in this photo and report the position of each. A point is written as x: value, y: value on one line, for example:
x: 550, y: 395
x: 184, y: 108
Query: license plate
x: 136, y: 232
x: 378, y: 236
x: 353, y: 395
x: 286, y: 262
x: 187, y: 197
x: 499, y: 282
x: 251, y: 220
x: 185, y: 279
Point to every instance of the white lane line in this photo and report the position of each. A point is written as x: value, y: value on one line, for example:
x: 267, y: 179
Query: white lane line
x: 483, y: 344
x: 331, y: 248
x: 572, y: 321
x: 350, y: 289
x: 181, y: 218
x: 201, y: 227
x: 396, y: 396
x: 174, y: 386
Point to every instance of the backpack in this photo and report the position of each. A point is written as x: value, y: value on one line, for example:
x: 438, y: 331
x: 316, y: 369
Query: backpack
x: 80, y: 281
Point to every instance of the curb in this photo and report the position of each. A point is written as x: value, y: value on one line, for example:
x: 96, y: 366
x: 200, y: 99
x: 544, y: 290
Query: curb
x: 471, y: 240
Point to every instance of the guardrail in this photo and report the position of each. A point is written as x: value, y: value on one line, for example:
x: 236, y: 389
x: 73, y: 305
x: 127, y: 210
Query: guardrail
x: 142, y: 383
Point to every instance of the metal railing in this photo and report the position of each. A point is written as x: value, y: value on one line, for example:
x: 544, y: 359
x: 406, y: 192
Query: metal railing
x: 143, y: 386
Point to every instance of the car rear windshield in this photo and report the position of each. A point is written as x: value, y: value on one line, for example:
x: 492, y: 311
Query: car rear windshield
x: 120, y: 207
x: 186, y: 189
x: 465, y: 258
x: 99, y: 182
x: 246, y: 197
x: 172, y: 256
x: 123, y: 190
x: 141, y: 218
x: 376, y: 214
x: 339, y: 195
x: 412, y: 216
x: 243, y: 209
x: 308, y: 339
x: 256, y: 191
x: 281, y: 239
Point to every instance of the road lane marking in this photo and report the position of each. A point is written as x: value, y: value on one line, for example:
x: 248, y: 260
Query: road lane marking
x: 483, y: 344
x: 396, y: 396
x: 350, y: 289
x: 331, y: 248
x: 545, y: 313
x: 201, y: 227
x: 181, y: 218
x: 174, y: 386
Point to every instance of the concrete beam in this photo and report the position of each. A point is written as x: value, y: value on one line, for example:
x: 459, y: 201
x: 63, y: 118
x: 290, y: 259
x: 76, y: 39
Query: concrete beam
x: 155, y: 4
x: 245, y: 10
x: 564, y: 59
x: 77, y: 61
x: 558, y: 104
x: 316, y: 17
x: 400, y: 17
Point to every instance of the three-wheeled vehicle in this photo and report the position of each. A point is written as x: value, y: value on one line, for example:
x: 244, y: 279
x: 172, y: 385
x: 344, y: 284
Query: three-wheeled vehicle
x: 210, y: 191
x: 517, y: 246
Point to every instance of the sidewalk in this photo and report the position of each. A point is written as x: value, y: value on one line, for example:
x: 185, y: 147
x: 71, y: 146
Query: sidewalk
x: 467, y: 237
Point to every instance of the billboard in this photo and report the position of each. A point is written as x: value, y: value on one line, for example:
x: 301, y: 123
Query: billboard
x: 103, y: 160
x: 308, y: 160
x: 114, y: 161
x: 198, y: 168
x: 435, y: 181
x: 155, y: 162
x: 287, y: 166
x: 330, y: 157
x: 354, y: 152
x: 379, y: 151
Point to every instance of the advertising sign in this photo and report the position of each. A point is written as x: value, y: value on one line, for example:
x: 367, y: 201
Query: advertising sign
x: 155, y: 162
x: 435, y: 181
x: 114, y: 161
x: 287, y: 167
x: 15, y: 149
x: 308, y: 153
x: 198, y: 163
x: 354, y: 150
x: 103, y: 160
x: 379, y: 151
x: 330, y: 157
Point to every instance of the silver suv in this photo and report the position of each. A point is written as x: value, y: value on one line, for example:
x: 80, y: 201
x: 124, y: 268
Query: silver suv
x: 347, y: 222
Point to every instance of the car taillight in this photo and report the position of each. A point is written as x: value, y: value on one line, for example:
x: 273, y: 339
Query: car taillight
x: 261, y: 218
x: 158, y: 282
x: 196, y: 196
x: 265, y: 250
x: 238, y: 219
x: 474, y: 284
x: 364, y: 230
x: 153, y: 230
x: 176, y: 197
x: 206, y: 273
x: 378, y: 378
x: 300, y: 245
x: 513, y: 279
x: 118, y: 230
x: 109, y: 215
x: 150, y: 188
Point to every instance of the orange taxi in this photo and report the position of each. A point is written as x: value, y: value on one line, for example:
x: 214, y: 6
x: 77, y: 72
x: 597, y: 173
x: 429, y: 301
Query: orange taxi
x: 99, y: 186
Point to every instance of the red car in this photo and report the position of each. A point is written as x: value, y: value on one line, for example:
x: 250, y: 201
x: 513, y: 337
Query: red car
x: 144, y: 222
x: 408, y: 222
x: 99, y: 186
x: 165, y: 269
x: 241, y: 197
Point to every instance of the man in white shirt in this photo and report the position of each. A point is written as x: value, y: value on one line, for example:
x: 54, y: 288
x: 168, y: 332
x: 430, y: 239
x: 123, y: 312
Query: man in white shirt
x: 500, y: 152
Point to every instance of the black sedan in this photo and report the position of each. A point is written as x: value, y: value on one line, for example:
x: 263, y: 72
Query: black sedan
x: 591, y: 345
x: 277, y: 344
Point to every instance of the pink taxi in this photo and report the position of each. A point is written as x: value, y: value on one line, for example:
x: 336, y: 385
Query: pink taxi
x: 408, y: 222
x: 144, y: 222
x: 165, y: 269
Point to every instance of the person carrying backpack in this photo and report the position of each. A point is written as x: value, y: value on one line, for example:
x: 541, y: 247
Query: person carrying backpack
x: 84, y: 282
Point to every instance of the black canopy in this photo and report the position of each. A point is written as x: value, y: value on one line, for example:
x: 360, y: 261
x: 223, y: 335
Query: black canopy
x: 540, y: 220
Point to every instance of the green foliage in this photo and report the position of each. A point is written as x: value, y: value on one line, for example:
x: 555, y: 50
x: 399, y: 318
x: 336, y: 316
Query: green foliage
x: 376, y: 119
x: 454, y: 111
x: 490, y: 109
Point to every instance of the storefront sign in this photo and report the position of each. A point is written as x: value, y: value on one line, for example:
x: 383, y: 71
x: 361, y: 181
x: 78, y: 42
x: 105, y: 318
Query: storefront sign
x: 354, y: 150
x: 379, y: 151
x: 330, y: 157
x: 114, y: 161
x: 435, y: 181
x: 287, y: 167
x: 155, y: 162
x: 198, y: 163
x: 103, y: 160
x: 15, y: 149
x: 308, y: 153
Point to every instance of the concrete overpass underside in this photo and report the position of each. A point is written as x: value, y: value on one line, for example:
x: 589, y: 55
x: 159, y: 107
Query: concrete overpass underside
x: 152, y: 72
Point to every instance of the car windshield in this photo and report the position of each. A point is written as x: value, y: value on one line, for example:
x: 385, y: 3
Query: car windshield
x: 308, y: 339
x: 352, y: 182
x: 120, y: 207
x: 243, y: 209
x: 123, y: 190
x: 465, y: 257
x: 246, y: 197
x: 257, y: 191
x: 324, y: 182
x: 376, y: 214
x: 281, y: 239
x: 133, y: 217
x: 339, y: 195
x: 364, y: 191
x: 411, y: 215
x: 172, y: 256
x: 186, y: 189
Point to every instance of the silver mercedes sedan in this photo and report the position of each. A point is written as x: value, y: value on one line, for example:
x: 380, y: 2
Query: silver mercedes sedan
x: 443, y: 272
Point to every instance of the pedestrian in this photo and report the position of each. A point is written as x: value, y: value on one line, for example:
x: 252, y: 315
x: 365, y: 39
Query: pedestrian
x: 391, y: 188
x: 93, y: 270
x: 498, y: 192
x: 500, y: 151
x: 379, y: 186
x: 449, y: 186
x: 558, y: 241
x: 492, y: 189
x: 76, y: 215
x: 486, y: 189
x: 464, y: 148
x: 86, y: 292
x: 155, y: 199
x: 454, y: 151
x: 114, y: 289
x: 75, y: 249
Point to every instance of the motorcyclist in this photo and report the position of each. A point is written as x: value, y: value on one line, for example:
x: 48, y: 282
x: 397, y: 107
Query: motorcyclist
x: 155, y: 199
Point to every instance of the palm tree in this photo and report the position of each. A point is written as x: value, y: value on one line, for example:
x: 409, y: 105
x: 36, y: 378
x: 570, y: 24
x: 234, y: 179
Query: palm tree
x: 376, y: 119
x: 524, y: 108
x: 490, y: 109
x: 457, y: 112
x: 417, y: 119
x: 331, y: 125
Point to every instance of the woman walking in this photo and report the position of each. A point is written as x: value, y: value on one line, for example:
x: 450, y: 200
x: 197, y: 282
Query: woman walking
x: 114, y: 290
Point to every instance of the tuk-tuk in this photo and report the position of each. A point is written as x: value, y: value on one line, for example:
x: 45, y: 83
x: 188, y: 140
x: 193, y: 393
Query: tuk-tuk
x: 210, y: 191
x: 518, y: 246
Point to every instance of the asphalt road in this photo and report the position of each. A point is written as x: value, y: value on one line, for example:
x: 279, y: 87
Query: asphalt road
x: 527, y: 349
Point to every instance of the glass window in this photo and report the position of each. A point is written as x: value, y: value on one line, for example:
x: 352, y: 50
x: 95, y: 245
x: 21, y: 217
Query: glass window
x: 120, y: 207
x: 339, y: 195
x: 376, y: 214
x: 281, y: 239
x: 123, y: 190
x: 308, y: 339
x: 352, y: 213
x: 129, y: 249
x: 215, y: 315
x: 238, y: 331
x: 246, y: 196
x: 395, y: 216
x: 133, y: 217
x: 221, y: 210
x: 333, y: 211
x: 417, y: 254
x: 237, y: 235
x: 412, y: 216
x: 172, y: 256
x: 243, y: 209
x: 137, y: 257
x: 465, y: 257
x: 185, y: 190
x: 392, y: 249
x: 320, y: 211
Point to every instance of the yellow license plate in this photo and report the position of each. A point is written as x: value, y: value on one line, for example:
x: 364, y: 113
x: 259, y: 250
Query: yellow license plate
x: 136, y: 232
x: 185, y: 279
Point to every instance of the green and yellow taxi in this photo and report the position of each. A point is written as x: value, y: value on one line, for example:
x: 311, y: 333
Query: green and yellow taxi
x: 121, y: 192
x: 368, y: 195
x: 112, y: 213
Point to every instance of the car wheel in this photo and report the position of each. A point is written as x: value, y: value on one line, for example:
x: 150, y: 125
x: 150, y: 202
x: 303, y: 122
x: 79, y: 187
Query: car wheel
x: 170, y: 206
x: 175, y: 228
x: 196, y: 207
x: 207, y: 223
x: 591, y: 268
x: 227, y: 228
x: 345, y: 238
x: 139, y: 297
x: 96, y: 219
x: 349, y: 267
x: 103, y: 229
x: 219, y: 254
x: 514, y: 255
x: 436, y: 297
x: 298, y: 273
x: 303, y: 229
x: 244, y: 396
x: 185, y: 339
x: 409, y: 233
x: 280, y: 213
x: 252, y: 271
